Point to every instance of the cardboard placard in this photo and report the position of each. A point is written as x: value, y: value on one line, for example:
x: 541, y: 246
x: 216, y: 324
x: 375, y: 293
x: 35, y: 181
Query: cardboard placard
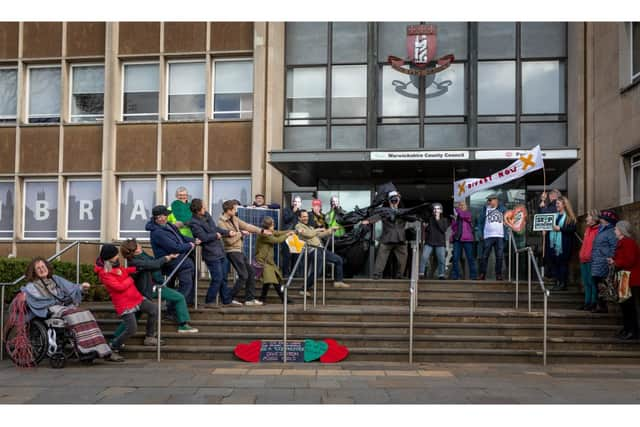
x: 544, y: 222
x: 272, y: 351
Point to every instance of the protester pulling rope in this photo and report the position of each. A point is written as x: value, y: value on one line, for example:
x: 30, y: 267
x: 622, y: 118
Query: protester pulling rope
x: 22, y: 352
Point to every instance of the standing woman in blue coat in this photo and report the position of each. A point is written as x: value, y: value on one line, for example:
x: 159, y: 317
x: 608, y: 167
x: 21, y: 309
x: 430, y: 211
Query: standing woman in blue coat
x: 604, y: 246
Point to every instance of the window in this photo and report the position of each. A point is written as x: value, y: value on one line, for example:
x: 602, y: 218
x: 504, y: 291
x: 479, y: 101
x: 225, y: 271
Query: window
x: 141, y: 88
x: 84, y: 206
x: 137, y: 198
x: 193, y: 186
x: 233, y: 90
x: 398, y: 93
x: 496, y: 40
x: 7, y: 197
x: 40, y: 209
x: 306, y: 93
x: 635, y: 50
x: 223, y: 189
x: 349, y: 91
x: 543, y: 87
x: 87, y: 93
x: 496, y: 87
x: 635, y: 177
x: 44, y: 95
x: 8, y: 94
x: 186, y: 90
x: 445, y: 92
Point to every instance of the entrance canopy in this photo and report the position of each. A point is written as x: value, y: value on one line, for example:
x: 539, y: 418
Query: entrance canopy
x: 307, y: 168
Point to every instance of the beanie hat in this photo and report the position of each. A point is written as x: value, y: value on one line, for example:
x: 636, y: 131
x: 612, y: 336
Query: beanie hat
x: 107, y: 252
x: 609, y: 216
x: 624, y: 228
x: 316, y: 202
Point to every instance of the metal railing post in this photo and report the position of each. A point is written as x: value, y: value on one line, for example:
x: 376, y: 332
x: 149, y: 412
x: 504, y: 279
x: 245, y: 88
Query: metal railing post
x: 78, y: 263
x: 284, y: 339
x: 529, y: 252
x: 517, y: 278
x: 304, y: 296
x: 2, y: 322
x: 411, y: 309
x: 315, y: 276
x: 159, y: 320
x: 197, y: 279
x: 509, y: 256
x: 544, y: 346
x: 324, y: 275
x: 333, y: 249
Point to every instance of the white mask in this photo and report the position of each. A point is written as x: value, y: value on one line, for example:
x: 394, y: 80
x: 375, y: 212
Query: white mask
x: 297, y: 202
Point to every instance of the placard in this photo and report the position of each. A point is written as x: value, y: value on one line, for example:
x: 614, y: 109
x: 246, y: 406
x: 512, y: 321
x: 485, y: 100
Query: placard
x: 544, y: 222
x: 271, y: 351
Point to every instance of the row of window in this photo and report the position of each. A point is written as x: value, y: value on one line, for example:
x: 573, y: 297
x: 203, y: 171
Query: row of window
x: 232, y: 82
x: 136, y: 197
x: 543, y: 91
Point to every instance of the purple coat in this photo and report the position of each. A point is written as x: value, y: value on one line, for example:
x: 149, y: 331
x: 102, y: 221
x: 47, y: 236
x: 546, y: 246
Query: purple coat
x: 467, y: 226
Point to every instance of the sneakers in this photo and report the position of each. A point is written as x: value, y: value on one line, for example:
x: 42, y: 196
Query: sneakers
x: 233, y: 304
x: 186, y: 329
x: 340, y: 285
x: 303, y: 292
x: 114, y: 357
x: 252, y: 302
x: 151, y: 341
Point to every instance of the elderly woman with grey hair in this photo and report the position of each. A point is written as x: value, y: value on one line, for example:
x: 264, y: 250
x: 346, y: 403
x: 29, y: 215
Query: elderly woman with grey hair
x: 627, y: 257
x: 181, y: 212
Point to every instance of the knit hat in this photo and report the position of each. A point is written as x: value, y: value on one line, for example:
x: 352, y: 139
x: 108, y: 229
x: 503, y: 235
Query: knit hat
x: 609, y: 216
x: 160, y: 210
x: 624, y: 227
x: 107, y: 252
x: 316, y: 202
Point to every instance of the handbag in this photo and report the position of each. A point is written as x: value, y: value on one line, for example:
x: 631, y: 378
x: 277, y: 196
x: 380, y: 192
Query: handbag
x: 257, y: 268
x: 607, y: 290
x: 622, y: 279
x: 458, y: 235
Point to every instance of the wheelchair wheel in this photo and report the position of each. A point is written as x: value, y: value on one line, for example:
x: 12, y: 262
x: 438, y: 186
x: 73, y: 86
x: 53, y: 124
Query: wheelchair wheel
x: 38, y: 338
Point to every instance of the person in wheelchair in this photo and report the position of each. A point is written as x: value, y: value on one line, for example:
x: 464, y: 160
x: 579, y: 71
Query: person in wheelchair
x: 54, y: 300
x: 125, y: 297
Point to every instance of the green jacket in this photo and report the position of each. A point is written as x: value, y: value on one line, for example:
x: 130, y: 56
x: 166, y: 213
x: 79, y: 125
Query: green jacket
x: 332, y: 221
x: 264, y: 256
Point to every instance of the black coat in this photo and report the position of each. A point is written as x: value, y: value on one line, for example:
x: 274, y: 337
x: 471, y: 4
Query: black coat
x: 146, y: 268
x: 436, y: 232
x: 289, y: 219
x: 205, y: 229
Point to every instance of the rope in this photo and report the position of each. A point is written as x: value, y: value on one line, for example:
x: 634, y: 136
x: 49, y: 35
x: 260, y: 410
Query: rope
x: 22, y: 353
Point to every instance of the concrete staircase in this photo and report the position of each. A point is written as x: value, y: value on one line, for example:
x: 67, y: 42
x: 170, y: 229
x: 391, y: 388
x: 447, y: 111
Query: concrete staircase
x: 455, y: 322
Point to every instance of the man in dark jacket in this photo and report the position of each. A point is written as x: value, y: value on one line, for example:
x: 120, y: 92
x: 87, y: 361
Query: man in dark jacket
x: 393, y: 239
x: 166, y: 239
x: 148, y: 276
x: 494, y: 233
x: 204, y: 228
x: 289, y: 221
x: 435, y: 240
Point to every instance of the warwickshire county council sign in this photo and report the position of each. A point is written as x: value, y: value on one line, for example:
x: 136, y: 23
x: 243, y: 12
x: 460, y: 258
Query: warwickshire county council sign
x: 419, y: 155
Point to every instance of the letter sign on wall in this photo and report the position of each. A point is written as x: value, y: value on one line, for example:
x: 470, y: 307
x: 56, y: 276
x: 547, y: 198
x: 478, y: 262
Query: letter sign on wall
x: 84, y: 205
x: 40, y: 209
x: 137, y: 198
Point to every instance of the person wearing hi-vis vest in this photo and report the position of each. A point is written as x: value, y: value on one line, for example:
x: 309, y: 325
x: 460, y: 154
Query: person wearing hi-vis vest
x: 334, y: 215
x: 180, y: 215
x: 493, y: 231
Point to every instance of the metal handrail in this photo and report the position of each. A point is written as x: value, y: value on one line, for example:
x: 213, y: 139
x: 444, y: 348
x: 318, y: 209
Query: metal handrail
x: 284, y: 289
x: 413, y: 286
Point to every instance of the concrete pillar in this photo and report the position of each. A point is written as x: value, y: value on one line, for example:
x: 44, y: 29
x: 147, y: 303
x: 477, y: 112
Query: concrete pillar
x: 258, y: 161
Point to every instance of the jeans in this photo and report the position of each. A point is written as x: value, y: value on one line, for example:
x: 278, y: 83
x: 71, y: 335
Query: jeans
x: 332, y: 258
x: 246, y: 275
x: 426, y: 256
x: 497, y: 243
x: 471, y: 262
x: 185, y: 277
x: 218, y: 282
x: 590, y: 289
x: 130, y: 323
x: 286, y: 259
x: 560, y: 268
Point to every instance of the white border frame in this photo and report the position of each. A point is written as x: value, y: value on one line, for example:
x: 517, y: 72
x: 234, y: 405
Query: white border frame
x: 203, y: 61
x: 99, y: 118
x: 27, y: 101
x: 165, y: 178
x: 226, y: 178
x: 13, y: 231
x: 24, y: 208
x: 118, y: 199
x: 213, y: 85
x: 13, y: 67
x: 66, y: 218
x: 122, y: 84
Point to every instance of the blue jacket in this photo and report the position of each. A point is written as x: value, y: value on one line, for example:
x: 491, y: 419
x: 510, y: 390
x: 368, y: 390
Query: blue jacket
x: 205, y: 229
x: 604, y: 246
x: 483, y: 219
x: 39, y: 302
x: 167, y: 240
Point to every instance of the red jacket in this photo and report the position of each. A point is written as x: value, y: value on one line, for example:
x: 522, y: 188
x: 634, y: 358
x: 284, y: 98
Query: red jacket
x: 121, y: 287
x: 587, y: 244
x: 627, y: 257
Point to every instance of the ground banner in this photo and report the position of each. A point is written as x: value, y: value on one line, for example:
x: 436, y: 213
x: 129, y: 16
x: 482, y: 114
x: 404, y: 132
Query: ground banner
x: 528, y: 162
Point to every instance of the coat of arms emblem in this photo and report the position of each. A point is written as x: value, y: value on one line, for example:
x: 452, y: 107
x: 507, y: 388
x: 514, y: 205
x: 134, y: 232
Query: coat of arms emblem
x: 421, y: 50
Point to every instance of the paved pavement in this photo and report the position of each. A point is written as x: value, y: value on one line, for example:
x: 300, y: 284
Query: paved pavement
x: 139, y: 381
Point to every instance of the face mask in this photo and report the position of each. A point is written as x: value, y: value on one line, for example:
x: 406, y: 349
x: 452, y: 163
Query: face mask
x: 297, y: 203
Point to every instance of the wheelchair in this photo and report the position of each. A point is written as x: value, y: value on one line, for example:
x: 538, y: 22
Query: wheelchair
x: 48, y: 337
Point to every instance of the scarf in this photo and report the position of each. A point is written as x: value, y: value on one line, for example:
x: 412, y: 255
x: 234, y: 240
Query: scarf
x: 555, y: 237
x: 181, y: 211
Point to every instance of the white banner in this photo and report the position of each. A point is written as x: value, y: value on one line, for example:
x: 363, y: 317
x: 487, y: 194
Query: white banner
x: 526, y: 162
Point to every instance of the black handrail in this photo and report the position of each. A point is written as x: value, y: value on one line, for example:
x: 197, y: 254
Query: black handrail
x: 175, y: 270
